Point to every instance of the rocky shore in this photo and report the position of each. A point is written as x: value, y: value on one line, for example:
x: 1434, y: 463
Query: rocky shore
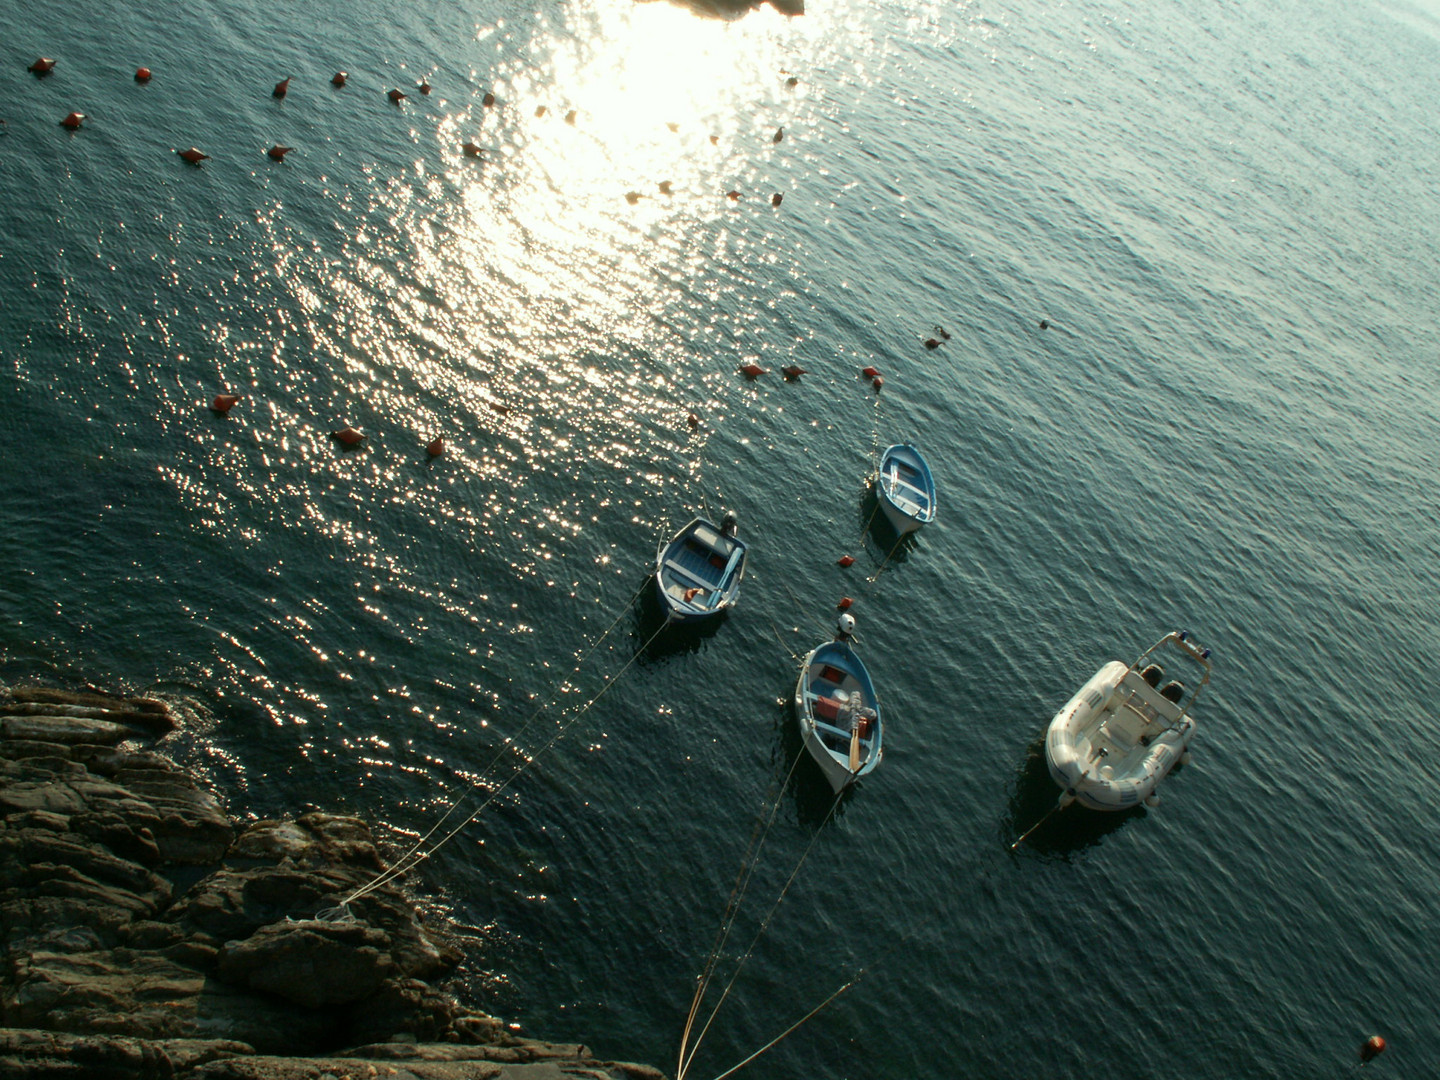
x: 148, y: 936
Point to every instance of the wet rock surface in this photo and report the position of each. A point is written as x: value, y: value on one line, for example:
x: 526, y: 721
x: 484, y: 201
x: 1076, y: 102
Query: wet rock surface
x: 108, y: 970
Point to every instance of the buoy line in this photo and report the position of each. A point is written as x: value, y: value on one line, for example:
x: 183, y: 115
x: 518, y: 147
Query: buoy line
x: 415, y: 855
x: 685, y: 1061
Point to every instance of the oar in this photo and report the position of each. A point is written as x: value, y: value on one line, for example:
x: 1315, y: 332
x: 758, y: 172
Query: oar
x: 855, y: 747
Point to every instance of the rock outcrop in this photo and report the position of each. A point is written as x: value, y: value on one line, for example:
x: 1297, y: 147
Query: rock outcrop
x: 109, y: 969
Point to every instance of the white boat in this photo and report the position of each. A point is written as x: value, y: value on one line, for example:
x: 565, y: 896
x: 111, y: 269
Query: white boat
x: 1117, y: 738
x: 905, y: 488
x: 838, y: 712
x: 698, y: 572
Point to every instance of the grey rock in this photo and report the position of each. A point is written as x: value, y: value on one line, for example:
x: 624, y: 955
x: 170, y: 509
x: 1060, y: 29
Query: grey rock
x: 311, y: 963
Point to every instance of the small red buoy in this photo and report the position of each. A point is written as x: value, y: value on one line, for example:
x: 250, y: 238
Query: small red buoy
x: 282, y: 87
x: 693, y: 420
x: 277, y: 153
x: 488, y: 101
x: 570, y: 117
x: 665, y: 187
x: 776, y: 199
x: 541, y: 110
x: 750, y: 371
x: 1374, y: 1046
x: 1044, y: 324
x: 223, y: 403
x: 792, y: 372
x: 142, y: 75
x: 348, y: 435
x: 396, y: 96
x: 193, y: 156
x: 714, y: 140
x: 436, y: 447
x: 847, y: 560
x: 338, y: 79
x: 43, y: 66
x: 633, y: 197
x: 844, y: 604
x: 779, y: 134
x: 931, y: 343
x: 733, y: 196
x: 472, y: 150
x: 73, y: 121
x: 877, y: 382
x: 499, y: 407
x: 870, y: 372
x: 425, y: 87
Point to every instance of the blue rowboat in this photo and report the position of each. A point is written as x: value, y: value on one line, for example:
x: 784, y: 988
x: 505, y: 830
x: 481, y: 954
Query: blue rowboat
x: 838, y: 713
x: 905, y: 488
x: 697, y: 574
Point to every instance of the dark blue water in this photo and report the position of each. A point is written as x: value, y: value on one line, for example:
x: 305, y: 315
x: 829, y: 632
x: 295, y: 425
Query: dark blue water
x: 1226, y: 214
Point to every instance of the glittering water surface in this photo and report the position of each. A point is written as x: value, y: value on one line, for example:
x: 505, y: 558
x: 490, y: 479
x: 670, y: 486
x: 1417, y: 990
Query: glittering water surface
x: 1226, y: 216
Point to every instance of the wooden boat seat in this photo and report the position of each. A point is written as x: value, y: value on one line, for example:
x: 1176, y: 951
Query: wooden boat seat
x: 903, y: 493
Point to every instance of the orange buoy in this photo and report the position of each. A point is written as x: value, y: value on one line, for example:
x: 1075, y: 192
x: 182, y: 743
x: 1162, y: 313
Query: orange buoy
x: 1373, y: 1047
x: 73, y: 121
x: 750, y: 371
x: 665, y: 187
x: 632, y: 197
x: 338, y: 79
x: 223, y: 403
x: 142, y: 75
x: 1044, y: 324
x: 425, y: 87
x: 570, y: 117
x: 943, y: 335
x: 793, y: 81
x: 282, y: 87
x: 776, y: 199
x: 844, y: 604
x: 877, y: 383
x: 714, y: 140
x: 488, y: 101
x: 733, y: 196
x: 693, y: 420
x: 779, y: 134
x: 541, y: 110
x: 348, y: 435
x: 436, y: 447
x: 396, y: 96
x: 690, y: 594
x: 792, y: 372
x: 870, y: 372
x: 471, y: 150
x: 277, y: 153
x: 931, y: 343
x: 847, y: 560
x: 193, y: 156
x: 43, y: 66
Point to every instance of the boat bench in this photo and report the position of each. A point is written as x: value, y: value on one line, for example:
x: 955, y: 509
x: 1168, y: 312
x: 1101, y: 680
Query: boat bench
x: 904, y: 494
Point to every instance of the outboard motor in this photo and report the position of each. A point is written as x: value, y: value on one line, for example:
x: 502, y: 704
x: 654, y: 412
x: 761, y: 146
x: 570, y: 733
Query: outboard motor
x: 1173, y: 691
x: 1153, y: 674
x: 729, y: 524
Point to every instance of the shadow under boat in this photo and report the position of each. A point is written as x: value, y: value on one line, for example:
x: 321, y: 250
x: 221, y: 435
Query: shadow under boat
x: 658, y: 638
x: 808, y: 785
x: 1066, y: 832
x: 874, y: 526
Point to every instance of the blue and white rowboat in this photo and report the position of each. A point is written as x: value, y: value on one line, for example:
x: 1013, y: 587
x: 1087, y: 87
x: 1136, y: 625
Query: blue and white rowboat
x: 697, y: 574
x: 838, y: 713
x: 905, y: 488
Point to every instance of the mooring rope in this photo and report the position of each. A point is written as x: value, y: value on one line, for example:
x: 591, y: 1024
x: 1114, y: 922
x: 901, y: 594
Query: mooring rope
x: 736, y: 1068
x: 685, y: 1062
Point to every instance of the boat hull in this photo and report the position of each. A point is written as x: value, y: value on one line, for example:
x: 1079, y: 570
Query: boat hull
x: 1115, y: 740
x: 833, y: 692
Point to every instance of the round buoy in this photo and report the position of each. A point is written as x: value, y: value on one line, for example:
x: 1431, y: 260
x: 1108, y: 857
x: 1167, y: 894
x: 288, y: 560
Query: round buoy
x: 693, y: 420
x: 1044, y: 324
x: 396, y: 96
x: 665, y: 187
x: 844, y: 604
x: 142, y: 75
x: 793, y: 372
x: 870, y: 372
x: 223, y: 403
x: 931, y: 343
x: 750, y: 371
x: 43, y: 66
x: 73, y: 121
x: 338, y: 79
x: 793, y: 81
x: 488, y: 101
x: 541, y: 110
x: 776, y: 199
x: 193, y: 156
x: 570, y: 116
x: 1374, y: 1046
x: 282, y: 87
x: 847, y: 560
x: 878, y: 382
x: 277, y: 153
x: 348, y: 435
x: 633, y: 197
x: 425, y: 87
x: 436, y: 447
